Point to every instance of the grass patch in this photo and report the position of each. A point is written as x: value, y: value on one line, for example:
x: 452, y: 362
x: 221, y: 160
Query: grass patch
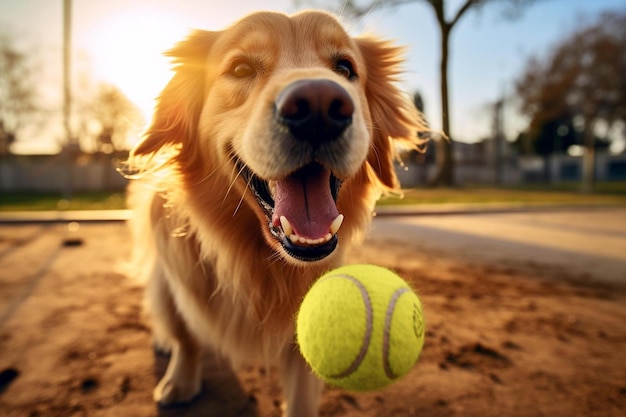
x: 55, y: 201
x: 610, y: 193
x: 604, y: 187
x: 613, y: 193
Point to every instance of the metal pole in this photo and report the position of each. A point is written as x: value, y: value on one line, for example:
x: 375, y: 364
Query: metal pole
x: 498, y: 139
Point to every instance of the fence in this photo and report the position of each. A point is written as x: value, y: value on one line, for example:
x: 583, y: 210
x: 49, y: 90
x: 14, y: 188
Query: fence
x: 53, y: 173
x: 519, y: 170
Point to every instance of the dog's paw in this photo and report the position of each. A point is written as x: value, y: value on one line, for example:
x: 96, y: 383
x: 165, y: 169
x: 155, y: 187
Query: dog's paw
x: 169, y: 392
x: 161, y: 345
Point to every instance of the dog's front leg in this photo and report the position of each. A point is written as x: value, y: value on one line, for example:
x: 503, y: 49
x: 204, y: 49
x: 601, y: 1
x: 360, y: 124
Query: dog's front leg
x: 182, y: 380
x: 302, y: 389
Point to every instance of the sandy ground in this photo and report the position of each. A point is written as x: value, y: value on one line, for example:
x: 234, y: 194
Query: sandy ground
x: 502, y: 339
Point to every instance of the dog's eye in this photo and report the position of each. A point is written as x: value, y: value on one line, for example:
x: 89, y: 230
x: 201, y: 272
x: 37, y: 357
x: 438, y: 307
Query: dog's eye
x: 344, y: 68
x: 241, y: 70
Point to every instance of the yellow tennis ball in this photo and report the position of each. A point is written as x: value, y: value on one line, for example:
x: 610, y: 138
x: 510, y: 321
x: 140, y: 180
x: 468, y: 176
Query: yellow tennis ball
x: 360, y: 327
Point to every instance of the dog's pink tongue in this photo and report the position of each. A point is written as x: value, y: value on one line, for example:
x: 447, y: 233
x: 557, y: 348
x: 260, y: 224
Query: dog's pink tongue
x: 304, y: 198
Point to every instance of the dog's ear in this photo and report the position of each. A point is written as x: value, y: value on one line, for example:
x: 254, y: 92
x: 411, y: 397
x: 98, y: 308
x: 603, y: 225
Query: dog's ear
x: 175, y: 120
x: 396, y: 122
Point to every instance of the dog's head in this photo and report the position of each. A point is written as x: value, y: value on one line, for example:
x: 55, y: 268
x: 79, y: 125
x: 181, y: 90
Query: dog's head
x: 287, y: 117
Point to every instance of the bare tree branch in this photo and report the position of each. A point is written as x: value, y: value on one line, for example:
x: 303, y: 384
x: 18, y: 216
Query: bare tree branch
x: 18, y: 93
x: 445, y: 162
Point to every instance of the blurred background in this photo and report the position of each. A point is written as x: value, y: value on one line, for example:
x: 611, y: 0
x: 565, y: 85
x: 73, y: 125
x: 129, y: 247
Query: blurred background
x: 513, y: 231
x: 531, y: 93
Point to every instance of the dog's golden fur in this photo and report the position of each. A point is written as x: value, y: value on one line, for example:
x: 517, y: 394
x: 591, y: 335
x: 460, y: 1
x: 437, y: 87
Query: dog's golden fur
x: 215, y: 274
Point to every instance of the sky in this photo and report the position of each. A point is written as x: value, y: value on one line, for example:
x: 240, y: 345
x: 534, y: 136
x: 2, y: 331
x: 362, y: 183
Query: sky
x: 121, y: 42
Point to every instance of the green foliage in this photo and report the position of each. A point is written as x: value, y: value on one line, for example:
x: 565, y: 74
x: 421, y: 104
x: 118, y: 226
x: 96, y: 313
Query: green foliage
x: 580, y: 83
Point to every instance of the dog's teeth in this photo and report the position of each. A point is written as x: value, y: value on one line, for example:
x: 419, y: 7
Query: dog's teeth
x: 286, y: 226
x: 336, y: 224
x: 289, y: 232
x: 306, y: 241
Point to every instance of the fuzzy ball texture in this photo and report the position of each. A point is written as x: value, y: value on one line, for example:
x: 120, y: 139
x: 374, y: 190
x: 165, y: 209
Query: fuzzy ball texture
x: 360, y: 327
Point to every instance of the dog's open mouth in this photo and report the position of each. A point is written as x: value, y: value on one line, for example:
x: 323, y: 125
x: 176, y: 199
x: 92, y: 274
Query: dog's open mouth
x: 301, y: 209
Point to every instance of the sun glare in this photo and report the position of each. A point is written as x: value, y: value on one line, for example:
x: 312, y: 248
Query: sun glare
x: 127, y: 51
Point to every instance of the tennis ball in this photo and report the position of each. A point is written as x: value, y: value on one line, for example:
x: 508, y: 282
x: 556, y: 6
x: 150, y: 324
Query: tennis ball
x: 360, y: 327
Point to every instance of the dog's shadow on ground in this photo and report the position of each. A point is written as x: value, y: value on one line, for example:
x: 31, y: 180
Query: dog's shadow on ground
x: 222, y: 394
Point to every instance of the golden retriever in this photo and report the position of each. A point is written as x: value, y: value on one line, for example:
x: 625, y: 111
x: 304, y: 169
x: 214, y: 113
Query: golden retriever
x: 262, y: 164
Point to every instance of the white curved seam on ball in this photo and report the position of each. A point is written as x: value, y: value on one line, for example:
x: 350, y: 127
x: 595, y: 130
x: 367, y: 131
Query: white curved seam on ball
x: 387, y: 331
x: 368, y: 327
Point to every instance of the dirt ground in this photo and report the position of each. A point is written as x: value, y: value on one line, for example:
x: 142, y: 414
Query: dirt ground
x: 502, y: 340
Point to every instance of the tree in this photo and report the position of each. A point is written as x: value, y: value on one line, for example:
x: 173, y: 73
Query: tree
x: 104, y: 124
x: 117, y: 119
x: 582, y: 80
x: 17, y: 93
x: 445, y: 161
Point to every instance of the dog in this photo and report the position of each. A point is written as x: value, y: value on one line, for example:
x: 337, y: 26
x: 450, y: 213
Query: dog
x: 266, y: 153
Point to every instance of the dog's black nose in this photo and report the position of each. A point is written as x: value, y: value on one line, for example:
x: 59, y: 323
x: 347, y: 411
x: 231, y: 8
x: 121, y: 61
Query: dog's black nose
x: 315, y: 110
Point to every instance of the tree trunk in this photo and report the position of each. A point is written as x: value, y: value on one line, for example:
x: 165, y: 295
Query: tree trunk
x: 589, y: 159
x: 445, y: 164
